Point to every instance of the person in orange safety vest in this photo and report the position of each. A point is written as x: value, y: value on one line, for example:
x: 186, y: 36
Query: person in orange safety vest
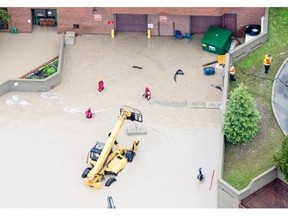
x: 267, y: 61
x: 232, y: 72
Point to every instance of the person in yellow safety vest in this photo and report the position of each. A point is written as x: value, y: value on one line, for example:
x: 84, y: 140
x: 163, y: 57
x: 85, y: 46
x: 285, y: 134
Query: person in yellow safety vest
x: 267, y: 61
x: 232, y: 72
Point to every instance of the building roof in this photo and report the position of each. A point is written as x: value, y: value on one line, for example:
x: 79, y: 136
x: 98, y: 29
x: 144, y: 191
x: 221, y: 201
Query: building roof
x: 272, y: 195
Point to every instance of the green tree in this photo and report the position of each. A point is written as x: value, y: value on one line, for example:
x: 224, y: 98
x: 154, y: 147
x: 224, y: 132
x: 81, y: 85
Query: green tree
x: 281, y: 158
x: 241, y: 116
x: 4, y: 17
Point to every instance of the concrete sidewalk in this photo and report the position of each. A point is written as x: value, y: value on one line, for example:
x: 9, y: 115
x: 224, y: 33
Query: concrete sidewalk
x: 280, y: 96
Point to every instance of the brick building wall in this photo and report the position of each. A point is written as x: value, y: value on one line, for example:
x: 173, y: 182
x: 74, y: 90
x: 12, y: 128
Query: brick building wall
x: 246, y: 16
x: 89, y: 22
x: 169, y: 11
x: 164, y: 28
x: 21, y: 18
x: 96, y: 22
x: 154, y: 19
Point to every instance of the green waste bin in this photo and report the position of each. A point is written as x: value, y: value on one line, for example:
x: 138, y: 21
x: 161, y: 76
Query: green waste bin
x: 217, y: 40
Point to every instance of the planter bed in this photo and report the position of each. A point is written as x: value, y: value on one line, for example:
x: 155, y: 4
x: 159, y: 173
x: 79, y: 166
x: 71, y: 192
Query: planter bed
x: 45, y: 70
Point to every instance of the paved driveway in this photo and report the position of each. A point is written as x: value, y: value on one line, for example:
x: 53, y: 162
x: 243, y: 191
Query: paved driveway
x: 45, y: 140
x: 279, y: 97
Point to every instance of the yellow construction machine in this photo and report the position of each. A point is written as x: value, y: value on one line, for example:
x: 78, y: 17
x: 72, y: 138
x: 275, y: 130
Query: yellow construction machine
x: 110, y: 158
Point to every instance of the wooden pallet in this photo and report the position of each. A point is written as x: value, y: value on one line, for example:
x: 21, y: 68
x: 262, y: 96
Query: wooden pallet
x: 47, y: 22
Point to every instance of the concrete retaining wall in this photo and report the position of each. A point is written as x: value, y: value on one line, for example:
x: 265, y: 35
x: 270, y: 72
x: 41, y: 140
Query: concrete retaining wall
x: 227, y: 196
x: 281, y: 177
x: 248, y: 47
x: 231, y: 198
x: 258, y: 182
x: 28, y: 85
x: 4, y: 88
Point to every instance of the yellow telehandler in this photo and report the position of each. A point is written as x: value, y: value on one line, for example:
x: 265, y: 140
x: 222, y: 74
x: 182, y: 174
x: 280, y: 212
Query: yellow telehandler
x: 110, y: 158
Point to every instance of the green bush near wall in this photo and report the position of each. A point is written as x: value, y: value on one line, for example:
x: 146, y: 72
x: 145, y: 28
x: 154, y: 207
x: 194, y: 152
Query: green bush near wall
x: 281, y: 158
x: 241, y: 117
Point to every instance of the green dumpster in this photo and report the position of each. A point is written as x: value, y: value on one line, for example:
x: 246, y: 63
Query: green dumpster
x: 217, y: 40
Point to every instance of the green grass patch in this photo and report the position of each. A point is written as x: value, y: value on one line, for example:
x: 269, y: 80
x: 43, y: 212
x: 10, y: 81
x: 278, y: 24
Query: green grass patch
x: 245, y: 162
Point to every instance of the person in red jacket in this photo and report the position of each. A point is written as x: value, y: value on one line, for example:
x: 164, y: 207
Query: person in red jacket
x: 100, y: 85
x: 147, y: 93
x: 89, y: 113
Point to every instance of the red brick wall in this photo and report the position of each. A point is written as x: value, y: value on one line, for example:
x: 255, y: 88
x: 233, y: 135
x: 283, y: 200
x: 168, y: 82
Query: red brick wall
x: 66, y: 17
x: 169, y: 11
x: 153, y: 19
x: 20, y: 18
x: 85, y: 18
x: 246, y: 16
x: 181, y: 23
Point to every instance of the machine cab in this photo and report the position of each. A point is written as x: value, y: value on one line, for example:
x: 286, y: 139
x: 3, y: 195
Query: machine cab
x: 96, y: 151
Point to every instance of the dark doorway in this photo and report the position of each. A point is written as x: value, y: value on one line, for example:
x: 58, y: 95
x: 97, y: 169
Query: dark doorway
x: 44, y: 17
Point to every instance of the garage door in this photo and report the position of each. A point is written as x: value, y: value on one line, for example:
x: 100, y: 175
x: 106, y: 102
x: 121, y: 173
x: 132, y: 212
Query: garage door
x: 200, y: 24
x: 131, y: 23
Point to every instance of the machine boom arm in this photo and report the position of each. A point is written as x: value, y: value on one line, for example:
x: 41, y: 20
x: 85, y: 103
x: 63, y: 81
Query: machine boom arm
x: 109, y: 144
x: 97, y: 172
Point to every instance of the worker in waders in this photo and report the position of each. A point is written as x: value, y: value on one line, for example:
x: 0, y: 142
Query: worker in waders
x: 200, y: 176
x: 89, y: 113
x: 100, y: 85
x: 147, y: 93
x: 232, y: 72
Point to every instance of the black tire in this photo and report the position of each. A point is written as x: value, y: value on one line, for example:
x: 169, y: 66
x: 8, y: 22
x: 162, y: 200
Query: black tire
x: 130, y: 155
x: 85, y: 172
x: 110, y: 181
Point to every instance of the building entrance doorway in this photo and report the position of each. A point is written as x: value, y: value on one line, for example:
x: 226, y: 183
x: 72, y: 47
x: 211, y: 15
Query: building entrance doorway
x: 44, y: 17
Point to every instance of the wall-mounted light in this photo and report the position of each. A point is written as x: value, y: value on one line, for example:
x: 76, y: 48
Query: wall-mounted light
x: 94, y: 10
